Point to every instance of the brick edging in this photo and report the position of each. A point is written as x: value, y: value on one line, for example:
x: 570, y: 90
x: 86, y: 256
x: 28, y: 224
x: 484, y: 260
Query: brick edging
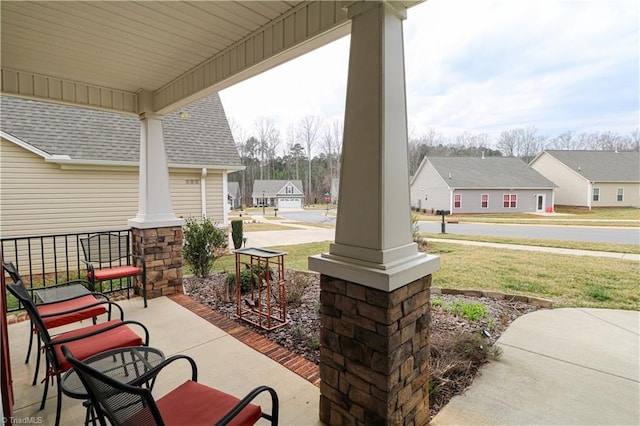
x: 296, y: 363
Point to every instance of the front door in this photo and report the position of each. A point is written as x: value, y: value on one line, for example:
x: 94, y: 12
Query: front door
x: 540, y: 203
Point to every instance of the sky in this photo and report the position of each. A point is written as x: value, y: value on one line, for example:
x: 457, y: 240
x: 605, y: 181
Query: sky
x: 479, y: 66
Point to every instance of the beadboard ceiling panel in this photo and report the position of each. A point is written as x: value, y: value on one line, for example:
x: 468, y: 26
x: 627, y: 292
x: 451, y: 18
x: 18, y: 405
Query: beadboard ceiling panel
x: 104, y: 54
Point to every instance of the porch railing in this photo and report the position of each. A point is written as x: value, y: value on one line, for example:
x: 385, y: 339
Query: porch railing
x: 45, y: 260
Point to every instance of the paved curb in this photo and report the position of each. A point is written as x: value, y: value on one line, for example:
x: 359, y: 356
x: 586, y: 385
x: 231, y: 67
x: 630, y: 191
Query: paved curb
x: 498, y: 295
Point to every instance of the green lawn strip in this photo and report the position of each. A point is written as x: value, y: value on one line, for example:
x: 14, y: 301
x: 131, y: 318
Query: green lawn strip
x: 569, y: 281
x: 576, y: 245
x: 296, y: 257
x: 628, y: 217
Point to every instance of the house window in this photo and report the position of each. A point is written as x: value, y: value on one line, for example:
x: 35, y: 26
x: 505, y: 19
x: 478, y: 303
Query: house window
x: 289, y: 189
x: 485, y: 201
x: 510, y: 201
x: 457, y: 201
x: 596, y: 194
x: 620, y: 196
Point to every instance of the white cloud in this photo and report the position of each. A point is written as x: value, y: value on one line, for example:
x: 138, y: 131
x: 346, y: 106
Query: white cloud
x: 481, y: 66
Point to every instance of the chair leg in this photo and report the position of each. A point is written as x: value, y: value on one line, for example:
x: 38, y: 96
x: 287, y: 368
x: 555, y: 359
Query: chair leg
x: 35, y: 375
x: 46, y: 390
x: 144, y: 289
x: 26, y: 360
x: 59, y: 402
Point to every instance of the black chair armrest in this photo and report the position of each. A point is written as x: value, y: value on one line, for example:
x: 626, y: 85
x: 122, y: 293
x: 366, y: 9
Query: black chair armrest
x: 102, y: 330
x: 247, y: 400
x: 153, y: 372
x: 98, y: 302
x: 91, y: 293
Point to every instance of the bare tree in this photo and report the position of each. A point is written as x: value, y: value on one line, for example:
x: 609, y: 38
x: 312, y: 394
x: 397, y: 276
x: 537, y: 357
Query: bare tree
x: 566, y: 141
x: 308, y: 132
x: 266, y: 133
x: 634, y: 139
x: 524, y: 143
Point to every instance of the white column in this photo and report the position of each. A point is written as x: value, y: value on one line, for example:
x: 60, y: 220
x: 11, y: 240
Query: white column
x: 154, y: 196
x: 373, y: 243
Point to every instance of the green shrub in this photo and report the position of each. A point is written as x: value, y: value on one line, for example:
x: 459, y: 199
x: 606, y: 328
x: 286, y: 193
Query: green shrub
x: 246, y: 277
x: 245, y: 281
x: 236, y: 233
x: 203, y: 244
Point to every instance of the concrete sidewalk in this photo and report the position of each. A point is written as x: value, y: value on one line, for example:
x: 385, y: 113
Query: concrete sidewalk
x: 559, y: 367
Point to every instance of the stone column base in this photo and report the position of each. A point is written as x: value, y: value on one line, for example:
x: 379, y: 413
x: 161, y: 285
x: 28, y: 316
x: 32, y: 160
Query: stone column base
x: 162, y: 251
x: 374, y: 355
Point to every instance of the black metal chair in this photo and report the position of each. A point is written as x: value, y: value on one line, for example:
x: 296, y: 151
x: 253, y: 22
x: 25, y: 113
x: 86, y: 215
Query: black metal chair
x: 108, y: 257
x: 191, y: 403
x: 84, y: 342
x: 66, y: 310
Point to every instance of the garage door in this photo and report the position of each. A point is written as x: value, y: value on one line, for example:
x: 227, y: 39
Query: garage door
x: 289, y: 203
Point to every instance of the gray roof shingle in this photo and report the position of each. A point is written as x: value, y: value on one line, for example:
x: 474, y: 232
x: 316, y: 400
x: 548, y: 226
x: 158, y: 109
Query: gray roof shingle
x: 602, y: 166
x: 490, y: 172
x: 203, y: 138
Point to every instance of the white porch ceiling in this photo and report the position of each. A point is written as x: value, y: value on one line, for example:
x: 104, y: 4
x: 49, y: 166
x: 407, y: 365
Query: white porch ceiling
x: 104, y: 53
x: 132, y: 56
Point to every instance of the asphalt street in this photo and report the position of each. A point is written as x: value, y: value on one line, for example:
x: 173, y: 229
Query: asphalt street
x: 616, y: 235
x: 568, y: 233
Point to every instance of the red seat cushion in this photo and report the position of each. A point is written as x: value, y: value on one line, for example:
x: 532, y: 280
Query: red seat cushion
x: 67, y: 305
x: 192, y: 403
x: 119, y: 337
x: 115, y: 272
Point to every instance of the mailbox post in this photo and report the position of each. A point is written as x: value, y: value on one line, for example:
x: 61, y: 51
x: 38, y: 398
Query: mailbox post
x: 443, y: 213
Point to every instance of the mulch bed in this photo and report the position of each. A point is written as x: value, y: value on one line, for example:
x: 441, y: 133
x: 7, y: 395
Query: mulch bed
x: 453, y: 365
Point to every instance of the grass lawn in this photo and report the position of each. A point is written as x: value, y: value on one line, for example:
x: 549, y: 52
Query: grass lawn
x: 577, y: 245
x: 570, y: 281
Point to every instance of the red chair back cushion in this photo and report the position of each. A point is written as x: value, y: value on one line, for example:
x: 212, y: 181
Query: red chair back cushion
x: 81, y: 349
x: 72, y: 317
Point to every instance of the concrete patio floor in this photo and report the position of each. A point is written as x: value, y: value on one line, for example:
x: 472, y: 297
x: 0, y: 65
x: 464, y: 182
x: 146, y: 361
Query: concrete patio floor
x: 223, y: 362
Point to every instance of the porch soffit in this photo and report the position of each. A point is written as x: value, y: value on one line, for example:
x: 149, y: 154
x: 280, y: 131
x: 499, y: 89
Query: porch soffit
x: 102, y: 54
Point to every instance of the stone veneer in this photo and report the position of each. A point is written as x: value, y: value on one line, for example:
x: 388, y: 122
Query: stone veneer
x: 162, y: 251
x: 374, y: 354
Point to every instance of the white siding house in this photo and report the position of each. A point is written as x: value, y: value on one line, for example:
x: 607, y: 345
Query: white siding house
x: 592, y: 178
x: 69, y: 169
x: 278, y: 193
x: 479, y: 185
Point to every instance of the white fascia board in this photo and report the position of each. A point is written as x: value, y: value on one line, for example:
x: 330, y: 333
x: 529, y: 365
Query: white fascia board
x: 68, y: 163
x: 26, y: 146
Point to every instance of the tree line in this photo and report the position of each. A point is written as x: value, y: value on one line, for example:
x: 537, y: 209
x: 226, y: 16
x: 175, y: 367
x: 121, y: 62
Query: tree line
x: 311, y: 148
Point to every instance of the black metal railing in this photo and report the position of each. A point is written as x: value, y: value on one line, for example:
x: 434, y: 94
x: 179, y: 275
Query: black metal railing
x: 44, y: 260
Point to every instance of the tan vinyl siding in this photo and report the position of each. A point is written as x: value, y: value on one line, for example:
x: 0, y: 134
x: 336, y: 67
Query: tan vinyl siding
x: 214, y: 196
x: 572, y: 190
x: 41, y: 198
x: 609, y: 193
x: 185, y: 192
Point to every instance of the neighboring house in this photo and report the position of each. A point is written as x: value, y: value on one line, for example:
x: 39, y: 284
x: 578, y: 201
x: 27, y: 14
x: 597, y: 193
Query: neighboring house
x: 68, y: 169
x: 592, y: 178
x: 235, y: 196
x: 480, y: 185
x: 278, y: 193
